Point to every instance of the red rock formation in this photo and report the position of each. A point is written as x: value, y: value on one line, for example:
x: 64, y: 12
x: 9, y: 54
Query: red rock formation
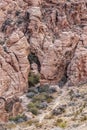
x: 56, y: 38
x: 55, y: 31
x: 14, y: 51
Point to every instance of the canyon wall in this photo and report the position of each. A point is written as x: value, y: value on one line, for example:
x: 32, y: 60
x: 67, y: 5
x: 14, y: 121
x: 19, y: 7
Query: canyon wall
x: 54, y: 31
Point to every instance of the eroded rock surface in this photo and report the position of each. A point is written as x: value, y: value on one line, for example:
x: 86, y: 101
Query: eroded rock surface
x: 14, y: 67
x: 55, y: 31
x: 14, y: 64
x: 58, y: 38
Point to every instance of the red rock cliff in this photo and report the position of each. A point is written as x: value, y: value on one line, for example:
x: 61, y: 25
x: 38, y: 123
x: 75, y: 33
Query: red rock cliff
x: 55, y: 31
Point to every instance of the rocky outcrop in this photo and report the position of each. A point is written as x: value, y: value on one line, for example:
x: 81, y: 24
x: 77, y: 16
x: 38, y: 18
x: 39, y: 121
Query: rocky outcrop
x: 77, y: 71
x: 14, y: 69
x: 57, y: 30
x: 54, y: 31
x: 14, y: 66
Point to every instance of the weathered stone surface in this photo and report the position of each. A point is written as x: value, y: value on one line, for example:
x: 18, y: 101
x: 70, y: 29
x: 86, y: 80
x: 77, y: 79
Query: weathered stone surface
x: 14, y: 70
x: 77, y: 70
x: 55, y: 31
x: 14, y: 66
x: 56, y: 40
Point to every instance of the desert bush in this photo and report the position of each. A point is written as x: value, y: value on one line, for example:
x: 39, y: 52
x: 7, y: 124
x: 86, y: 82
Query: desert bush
x: 33, y: 108
x: 61, y: 123
x: 18, y: 117
x: 33, y: 79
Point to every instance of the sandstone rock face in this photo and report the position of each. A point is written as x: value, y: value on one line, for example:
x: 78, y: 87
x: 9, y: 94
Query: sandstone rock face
x: 14, y: 66
x: 54, y: 31
x: 60, y: 33
x: 77, y: 69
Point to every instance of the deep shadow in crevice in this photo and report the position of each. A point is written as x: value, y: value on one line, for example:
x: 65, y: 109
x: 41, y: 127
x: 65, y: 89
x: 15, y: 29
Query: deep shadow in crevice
x: 34, y: 59
x: 64, y: 79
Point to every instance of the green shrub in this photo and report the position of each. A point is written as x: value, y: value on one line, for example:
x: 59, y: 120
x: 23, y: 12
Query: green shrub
x: 40, y: 97
x: 37, y: 104
x: 34, y: 111
x: 49, y: 100
x: 16, y: 118
x: 29, y: 122
x: 33, y: 79
x: 32, y: 107
x: 61, y: 123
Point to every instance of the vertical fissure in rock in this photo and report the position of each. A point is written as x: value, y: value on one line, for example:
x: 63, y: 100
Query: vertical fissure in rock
x: 34, y: 59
